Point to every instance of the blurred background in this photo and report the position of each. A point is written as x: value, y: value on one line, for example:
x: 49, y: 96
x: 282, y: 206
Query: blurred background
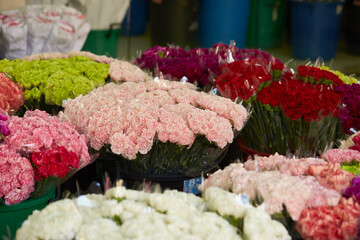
x: 291, y: 30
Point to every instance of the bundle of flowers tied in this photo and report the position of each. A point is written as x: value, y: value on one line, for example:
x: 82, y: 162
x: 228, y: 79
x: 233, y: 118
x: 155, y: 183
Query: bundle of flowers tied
x: 200, y: 65
x: 130, y: 214
x: 163, y: 127
x: 48, y: 79
x: 313, y: 197
x: 292, y: 113
x: 37, y: 153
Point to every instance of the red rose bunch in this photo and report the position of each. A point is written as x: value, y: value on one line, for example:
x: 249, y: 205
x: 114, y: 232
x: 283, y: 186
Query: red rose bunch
x: 55, y: 162
x: 318, y: 76
x: 300, y: 100
x: 242, y: 78
x: 11, y: 95
x: 291, y: 115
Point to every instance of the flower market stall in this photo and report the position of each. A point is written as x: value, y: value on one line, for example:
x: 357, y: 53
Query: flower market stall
x: 157, y: 127
x: 170, y: 118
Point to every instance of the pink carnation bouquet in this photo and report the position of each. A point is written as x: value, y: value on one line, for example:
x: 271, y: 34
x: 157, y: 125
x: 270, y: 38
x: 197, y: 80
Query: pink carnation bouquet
x: 38, y: 152
x: 163, y: 127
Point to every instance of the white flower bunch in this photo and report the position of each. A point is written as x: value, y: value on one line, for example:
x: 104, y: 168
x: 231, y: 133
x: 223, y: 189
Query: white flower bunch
x: 257, y: 223
x: 127, y: 214
x: 60, y: 220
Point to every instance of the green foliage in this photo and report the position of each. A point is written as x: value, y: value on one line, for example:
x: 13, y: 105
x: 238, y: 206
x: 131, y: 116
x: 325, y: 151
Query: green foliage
x: 268, y: 130
x: 352, y: 167
x: 117, y: 220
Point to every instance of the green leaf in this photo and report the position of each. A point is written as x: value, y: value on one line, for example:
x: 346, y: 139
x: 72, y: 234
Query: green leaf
x: 117, y: 220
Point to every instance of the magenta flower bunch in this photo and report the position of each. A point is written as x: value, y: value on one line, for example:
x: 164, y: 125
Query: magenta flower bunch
x: 201, y: 65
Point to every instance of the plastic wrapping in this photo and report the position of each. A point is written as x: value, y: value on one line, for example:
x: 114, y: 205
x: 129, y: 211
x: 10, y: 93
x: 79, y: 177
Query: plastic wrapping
x: 280, y: 122
x: 41, y: 28
x: 101, y: 13
x: 171, y: 159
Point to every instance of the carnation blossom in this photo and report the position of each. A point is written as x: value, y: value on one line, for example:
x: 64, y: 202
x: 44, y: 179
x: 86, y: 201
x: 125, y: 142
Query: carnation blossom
x: 354, y: 189
x: 331, y: 176
x: 202, y: 65
x: 291, y: 95
x: 55, y: 162
x: 11, y: 95
x: 131, y: 116
x: 4, y: 128
x: 293, y: 115
x: 349, y: 112
x: 288, y: 166
x: 341, y: 155
x: 242, y: 78
x: 330, y: 222
x: 37, y: 130
x: 317, y: 75
x: 16, y: 176
x: 296, y: 193
x: 49, y: 79
x: 356, y: 141
x: 36, y: 147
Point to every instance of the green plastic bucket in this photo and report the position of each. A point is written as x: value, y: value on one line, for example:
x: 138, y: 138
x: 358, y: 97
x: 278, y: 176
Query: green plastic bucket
x: 103, y: 42
x: 266, y: 24
x: 11, y: 217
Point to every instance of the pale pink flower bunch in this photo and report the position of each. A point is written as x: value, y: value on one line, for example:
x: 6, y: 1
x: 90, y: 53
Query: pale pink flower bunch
x: 288, y: 166
x: 130, y: 116
x: 341, y: 155
x: 16, y: 176
x: 328, y: 174
x: 123, y: 71
x: 38, y: 130
x: 332, y: 176
x: 276, y: 189
x: 119, y: 71
x: 58, y: 55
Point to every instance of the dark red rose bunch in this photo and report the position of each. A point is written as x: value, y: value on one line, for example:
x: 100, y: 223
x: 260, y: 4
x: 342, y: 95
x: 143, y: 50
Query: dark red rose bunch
x: 290, y: 115
x: 318, y: 76
x: 55, y: 162
x: 300, y: 99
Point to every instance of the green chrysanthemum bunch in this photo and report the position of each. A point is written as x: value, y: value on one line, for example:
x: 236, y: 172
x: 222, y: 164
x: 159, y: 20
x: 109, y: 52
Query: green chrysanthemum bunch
x: 49, y: 82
